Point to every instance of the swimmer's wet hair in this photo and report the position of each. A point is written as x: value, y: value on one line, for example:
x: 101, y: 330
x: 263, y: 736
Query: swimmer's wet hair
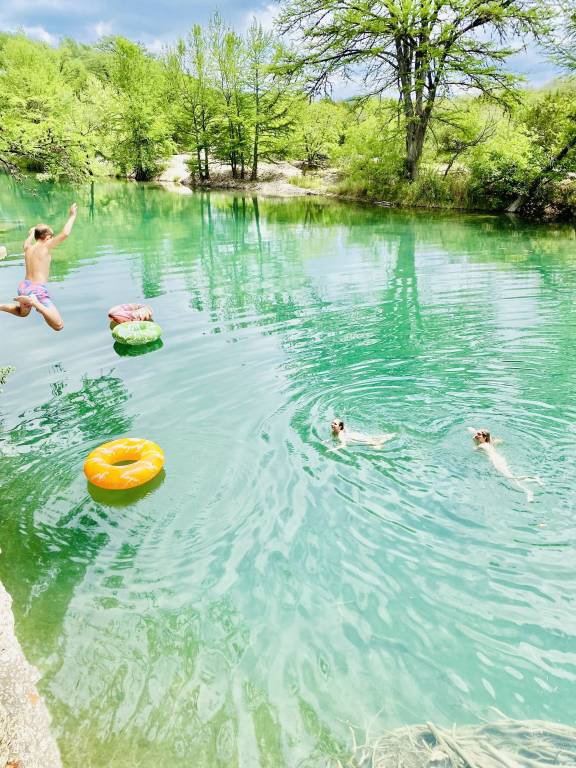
x: 42, y: 231
x: 485, y: 434
x: 341, y: 424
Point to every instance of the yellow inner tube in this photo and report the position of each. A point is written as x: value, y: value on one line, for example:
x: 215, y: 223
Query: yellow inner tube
x: 147, y: 458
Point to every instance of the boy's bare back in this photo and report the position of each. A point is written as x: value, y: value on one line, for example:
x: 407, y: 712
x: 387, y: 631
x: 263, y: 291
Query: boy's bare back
x: 37, y: 258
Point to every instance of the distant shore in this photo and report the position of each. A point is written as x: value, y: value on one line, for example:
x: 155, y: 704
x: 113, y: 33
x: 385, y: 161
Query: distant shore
x: 274, y: 179
x: 284, y: 179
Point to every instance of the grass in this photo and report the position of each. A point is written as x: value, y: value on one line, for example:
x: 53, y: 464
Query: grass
x: 431, y: 190
x: 309, y: 181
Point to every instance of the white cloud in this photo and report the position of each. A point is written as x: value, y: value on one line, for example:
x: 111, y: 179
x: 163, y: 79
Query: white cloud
x: 265, y: 15
x: 156, y: 45
x: 39, y: 33
x: 102, y: 28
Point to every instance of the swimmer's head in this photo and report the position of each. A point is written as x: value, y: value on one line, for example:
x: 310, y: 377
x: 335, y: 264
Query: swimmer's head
x: 482, y: 436
x: 337, y: 426
x: 42, y: 232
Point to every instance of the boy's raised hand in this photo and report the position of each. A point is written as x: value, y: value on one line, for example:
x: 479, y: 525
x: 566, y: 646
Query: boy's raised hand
x: 73, y: 209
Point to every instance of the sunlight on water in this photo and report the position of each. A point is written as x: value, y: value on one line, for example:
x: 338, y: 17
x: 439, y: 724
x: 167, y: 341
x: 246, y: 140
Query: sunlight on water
x: 264, y: 593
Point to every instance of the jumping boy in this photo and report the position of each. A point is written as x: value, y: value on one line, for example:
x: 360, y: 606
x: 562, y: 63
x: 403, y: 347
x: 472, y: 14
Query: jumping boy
x: 33, y: 290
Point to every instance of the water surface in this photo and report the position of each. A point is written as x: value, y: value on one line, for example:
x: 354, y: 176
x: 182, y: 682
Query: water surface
x: 264, y: 593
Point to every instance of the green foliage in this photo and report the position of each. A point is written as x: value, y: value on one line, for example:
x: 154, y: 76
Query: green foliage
x: 64, y: 110
x: 318, y: 132
x: 137, y: 120
x: 189, y: 71
x: 5, y: 371
x: 78, y: 110
x: 371, y: 156
x: 502, y: 168
x: 271, y: 98
x: 44, y: 126
x: 420, y: 49
x: 231, y: 135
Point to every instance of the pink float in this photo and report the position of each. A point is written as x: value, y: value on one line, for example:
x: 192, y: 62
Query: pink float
x: 126, y: 313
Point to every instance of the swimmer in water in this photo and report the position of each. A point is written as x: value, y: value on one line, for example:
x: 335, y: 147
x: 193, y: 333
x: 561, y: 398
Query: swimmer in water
x: 484, y: 441
x: 343, y: 436
x: 33, y: 290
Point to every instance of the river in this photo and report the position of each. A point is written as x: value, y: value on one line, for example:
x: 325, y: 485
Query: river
x: 265, y: 592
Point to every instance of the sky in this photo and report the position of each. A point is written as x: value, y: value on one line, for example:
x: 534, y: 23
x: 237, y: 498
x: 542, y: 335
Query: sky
x: 161, y: 23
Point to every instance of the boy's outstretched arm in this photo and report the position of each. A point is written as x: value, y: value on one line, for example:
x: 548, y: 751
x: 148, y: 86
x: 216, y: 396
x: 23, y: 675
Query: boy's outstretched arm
x: 57, y: 239
x: 30, y: 239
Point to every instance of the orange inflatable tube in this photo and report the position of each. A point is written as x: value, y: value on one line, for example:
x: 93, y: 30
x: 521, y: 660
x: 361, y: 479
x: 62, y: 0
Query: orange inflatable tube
x: 101, y: 467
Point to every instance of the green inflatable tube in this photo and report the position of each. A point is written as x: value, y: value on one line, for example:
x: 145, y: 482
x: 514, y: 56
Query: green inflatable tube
x: 137, y: 333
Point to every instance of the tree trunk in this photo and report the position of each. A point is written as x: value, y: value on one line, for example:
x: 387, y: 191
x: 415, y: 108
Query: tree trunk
x: 199, y: 163
x: 415, y: 135
x: 451, y: 163
x: 205, y: 143
x: 254, y: 174
x: 521, y: 200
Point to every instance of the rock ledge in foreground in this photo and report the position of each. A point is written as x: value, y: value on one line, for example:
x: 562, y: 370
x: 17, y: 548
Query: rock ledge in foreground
x: 25, y: 737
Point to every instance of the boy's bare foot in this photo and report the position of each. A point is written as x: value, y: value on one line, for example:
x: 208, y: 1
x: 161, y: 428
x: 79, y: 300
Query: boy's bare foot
x: 26, y: 301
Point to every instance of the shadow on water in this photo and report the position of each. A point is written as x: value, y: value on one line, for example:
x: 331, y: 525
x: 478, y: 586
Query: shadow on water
x: 51, y: 544
x: 125, y: 498
x: 125, y: 350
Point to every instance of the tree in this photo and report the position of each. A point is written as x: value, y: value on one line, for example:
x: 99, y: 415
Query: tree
x: 138, y: 121
x: 190, y: 66
x: 421, y: 48
x: 463, y: 129
x: 228, y: 55
x: 41, y: 127
x: 562, y: 47
x: 270, y: 97
x: 318, y: 131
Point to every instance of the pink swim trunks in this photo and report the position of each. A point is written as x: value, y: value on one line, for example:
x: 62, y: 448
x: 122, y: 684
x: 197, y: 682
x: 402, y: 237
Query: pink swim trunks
x: 40, y: 290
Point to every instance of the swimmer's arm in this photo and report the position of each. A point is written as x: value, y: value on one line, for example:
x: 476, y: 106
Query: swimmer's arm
x: 497, y: 441
x: 30, y: 239
x: 67, y: 229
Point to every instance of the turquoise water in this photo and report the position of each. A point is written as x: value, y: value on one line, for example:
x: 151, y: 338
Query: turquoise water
x: 263, y: 593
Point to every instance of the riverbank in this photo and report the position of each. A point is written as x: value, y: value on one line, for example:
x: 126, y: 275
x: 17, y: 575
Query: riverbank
x: 275, y: 179
x: 25, y: 737
x: 556, y: 201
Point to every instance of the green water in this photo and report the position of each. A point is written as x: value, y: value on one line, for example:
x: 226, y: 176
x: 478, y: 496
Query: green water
x: 263, y: 593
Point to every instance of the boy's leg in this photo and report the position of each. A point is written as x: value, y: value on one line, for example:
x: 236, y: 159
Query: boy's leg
x: 52, y: 317
x: 16, y: 309
x: 50, y: 314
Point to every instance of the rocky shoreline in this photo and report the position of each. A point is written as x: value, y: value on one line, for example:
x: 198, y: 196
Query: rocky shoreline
x: 274, y: 179
x: 26, y: 740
